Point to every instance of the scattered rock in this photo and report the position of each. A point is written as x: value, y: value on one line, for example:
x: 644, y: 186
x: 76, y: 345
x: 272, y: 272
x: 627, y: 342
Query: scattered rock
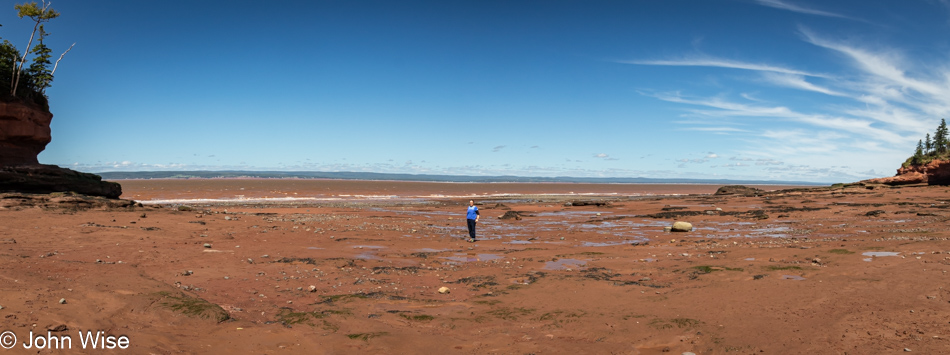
x: 516, y: 215
x: 874, y: 213
x: 681, y: 226
x: 207, y: 245
x: 58, y: 328
x: 443, y: 290
x: 62, y: 301
x: 313, y: 288
x: 738, y: 190
x: 589, y: 203
x: 667, y: 229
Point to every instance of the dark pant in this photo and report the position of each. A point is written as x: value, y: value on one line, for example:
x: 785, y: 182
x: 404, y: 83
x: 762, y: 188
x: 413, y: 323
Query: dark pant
x: 471, y: 228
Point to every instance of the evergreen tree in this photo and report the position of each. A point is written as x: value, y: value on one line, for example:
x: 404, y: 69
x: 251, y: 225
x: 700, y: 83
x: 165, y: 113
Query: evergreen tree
x: 38, y: 14
x: 940, y: 137
x: 39, y: 70
x: 928, y: 145
x: 918, y: 157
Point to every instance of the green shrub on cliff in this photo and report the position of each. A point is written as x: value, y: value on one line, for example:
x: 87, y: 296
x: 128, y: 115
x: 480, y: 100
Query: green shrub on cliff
x: 928, y: 150
x: 29, y: 83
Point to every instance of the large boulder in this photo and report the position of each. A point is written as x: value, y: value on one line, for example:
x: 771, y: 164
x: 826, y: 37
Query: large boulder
x: 44, y: 179
x: 681, y: 226
x: 24, y: 133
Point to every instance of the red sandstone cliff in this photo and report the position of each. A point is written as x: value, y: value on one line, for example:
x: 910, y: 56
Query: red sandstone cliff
x: 936, y: 172
x: 24, y: 133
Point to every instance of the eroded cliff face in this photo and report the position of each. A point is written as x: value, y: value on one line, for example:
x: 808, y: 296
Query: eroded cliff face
x: 24, y: 133
x: 936, y: 172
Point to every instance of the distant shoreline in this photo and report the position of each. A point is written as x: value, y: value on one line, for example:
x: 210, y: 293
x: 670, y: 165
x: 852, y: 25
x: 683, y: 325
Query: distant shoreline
x: 316, y: 175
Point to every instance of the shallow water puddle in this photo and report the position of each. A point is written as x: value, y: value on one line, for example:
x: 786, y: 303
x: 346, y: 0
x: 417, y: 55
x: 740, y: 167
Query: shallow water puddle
x: 430, y: 250
x: 792, y: 277
x: 465, y: 258
x: 875, y: 254
x: 565, y: 264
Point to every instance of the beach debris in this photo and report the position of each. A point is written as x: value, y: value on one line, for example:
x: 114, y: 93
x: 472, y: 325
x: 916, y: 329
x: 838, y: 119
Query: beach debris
x: 681, y: 226
x: 444, y: 290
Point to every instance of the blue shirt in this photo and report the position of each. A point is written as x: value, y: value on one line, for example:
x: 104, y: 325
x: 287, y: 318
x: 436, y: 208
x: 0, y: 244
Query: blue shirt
x: 472, y: 212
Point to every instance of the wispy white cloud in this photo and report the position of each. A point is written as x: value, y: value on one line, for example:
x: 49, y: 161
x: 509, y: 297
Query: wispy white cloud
x: 721, y: 63
x: 779, y: 4
x: 797, y: 82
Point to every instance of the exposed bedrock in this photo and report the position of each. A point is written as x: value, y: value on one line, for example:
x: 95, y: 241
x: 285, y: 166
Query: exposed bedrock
x: 936, y: 172
x: 24, y: 133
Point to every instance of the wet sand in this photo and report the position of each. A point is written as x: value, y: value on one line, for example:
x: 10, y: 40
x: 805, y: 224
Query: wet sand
x: 853, y: 270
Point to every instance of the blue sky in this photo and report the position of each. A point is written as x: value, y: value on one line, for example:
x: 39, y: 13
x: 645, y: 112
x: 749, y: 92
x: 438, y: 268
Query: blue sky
x: 762, y: 89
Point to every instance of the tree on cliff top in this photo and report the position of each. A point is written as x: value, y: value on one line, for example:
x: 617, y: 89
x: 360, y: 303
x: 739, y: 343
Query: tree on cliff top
x: 30, y: 83
x: 927, y: 150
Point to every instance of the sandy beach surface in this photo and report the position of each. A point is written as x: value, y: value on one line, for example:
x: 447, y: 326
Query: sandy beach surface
x: 237, y: 266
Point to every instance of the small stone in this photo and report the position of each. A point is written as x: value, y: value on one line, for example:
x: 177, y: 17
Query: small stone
x: 689, y: 353
x: 645, y: 279
x: 207, y: 245
x: 265, y: 256
x: 250, y: 261
x: 227, y: 218
x: 667, y: 229
x: 444, y: 290
x: 188, y: 273
x: 907, y: 349
x: 203, y: 235
x: 313, y: 288
x: 227, y: 278
x: 562, y: 238
x: 62, y: 301
x: 143, y: 216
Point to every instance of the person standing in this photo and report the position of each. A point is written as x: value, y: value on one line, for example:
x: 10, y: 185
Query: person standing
x: 472, y: 218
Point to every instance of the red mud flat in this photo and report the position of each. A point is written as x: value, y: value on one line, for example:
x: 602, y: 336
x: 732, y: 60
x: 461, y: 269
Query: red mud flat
x: 856, y: 270
x: 244, y: 189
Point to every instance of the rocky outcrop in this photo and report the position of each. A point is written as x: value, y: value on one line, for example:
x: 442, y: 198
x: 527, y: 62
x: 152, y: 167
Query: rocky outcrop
x: 43, y: 179
x: 24, y: 133
x: 936, y: 172
x: 738, y: 190
x: 62, y: 200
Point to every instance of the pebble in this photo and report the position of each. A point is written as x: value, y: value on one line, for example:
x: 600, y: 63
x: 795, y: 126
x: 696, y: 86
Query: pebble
x: 265, y: 256
x: 907, y: 349
x: 313, y: 288
x: 62, y: 301
x: 207, y: 245
x: 443, y: 290
x: 689, y: 353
